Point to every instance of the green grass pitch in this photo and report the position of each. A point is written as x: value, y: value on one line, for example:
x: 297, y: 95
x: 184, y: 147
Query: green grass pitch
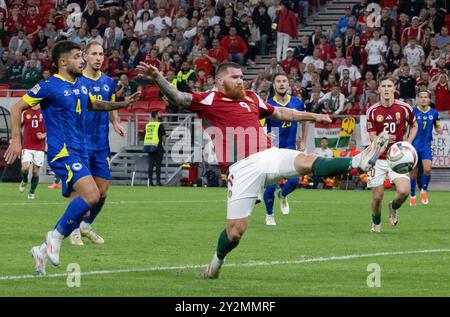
x: 159, y: 239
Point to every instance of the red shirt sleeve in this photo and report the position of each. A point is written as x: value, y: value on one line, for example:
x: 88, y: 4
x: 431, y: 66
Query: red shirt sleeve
x: 201, y: 102
x: 371, y: 123
x: 265, y: 110
x: 411, y: 117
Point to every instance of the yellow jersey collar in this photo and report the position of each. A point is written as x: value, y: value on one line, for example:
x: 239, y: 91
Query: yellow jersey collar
x: 276, y: 100
x: 94, y: 79
x: 64, y: 79
x: 420, y: 109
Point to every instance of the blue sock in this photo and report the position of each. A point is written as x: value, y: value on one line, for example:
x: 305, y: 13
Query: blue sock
x: 269, y: 196
x: 289, y: 186
x: 413, y: 187
x: 72, y: 217
x: 95, y: 210
x: 425, y: 182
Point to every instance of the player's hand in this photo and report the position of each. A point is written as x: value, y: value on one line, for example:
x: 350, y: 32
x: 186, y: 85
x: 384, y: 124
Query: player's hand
x: 322, y: 118
x: 13, y: 151
x: 131, y: 99
x: 119, y: 129
x: 392, y: 138
x: 439, y: 131
x: 147, y: 71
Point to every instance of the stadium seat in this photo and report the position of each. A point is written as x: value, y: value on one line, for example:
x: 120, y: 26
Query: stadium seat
x: 18, y: 93
x: 159, y: 106
x: 4, y: 90
x: 140, y: 107
x: 127, y: 115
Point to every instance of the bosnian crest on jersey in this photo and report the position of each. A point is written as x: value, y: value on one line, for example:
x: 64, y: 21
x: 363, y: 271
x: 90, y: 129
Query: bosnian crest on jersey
x: 106, y: 87
x: 84, y: 90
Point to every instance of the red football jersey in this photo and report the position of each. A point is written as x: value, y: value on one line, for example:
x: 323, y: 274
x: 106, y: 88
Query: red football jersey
x: 32, y: 124
x: 233, y: 125
x: 392, y: 119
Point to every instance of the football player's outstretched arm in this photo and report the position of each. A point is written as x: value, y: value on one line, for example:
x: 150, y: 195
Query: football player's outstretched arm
x: 285, y: 114
x: 102, y: 105
x: 15, y: 144
x: 413, y: 132
x: 174, y: 96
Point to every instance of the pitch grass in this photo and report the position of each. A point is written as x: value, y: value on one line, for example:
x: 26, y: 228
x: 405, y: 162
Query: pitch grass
x: 149, y: 227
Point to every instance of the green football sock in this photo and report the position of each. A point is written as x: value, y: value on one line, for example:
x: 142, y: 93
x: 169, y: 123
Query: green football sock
x: 25, y: 176
x: 325, y: 167
x: 224, y: 245
x: 396, y: 204
x: 34, y: 183
x: 376, y: 220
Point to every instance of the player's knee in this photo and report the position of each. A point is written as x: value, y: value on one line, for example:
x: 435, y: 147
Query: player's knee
x: 403, y: 193
x: 377, y: 197
x: 92, y: 197
x: 236, y: 232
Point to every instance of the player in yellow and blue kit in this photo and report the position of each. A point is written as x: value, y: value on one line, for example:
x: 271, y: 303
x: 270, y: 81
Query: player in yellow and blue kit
x: 284, y: 137
x: 100, y: 87
x: 64, y: 100
x: 427, y: 118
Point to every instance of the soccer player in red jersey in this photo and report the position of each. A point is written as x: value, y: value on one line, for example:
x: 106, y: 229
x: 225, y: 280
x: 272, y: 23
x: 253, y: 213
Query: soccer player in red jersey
x: 33, y: 147
x: 391, y: 116
x: 230, y: 115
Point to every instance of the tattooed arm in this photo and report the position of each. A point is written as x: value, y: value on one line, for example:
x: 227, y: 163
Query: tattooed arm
x: 102, y: 105
x: 175, y: 97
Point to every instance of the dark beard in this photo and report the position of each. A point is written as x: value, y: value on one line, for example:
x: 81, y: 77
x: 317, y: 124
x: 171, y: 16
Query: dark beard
x: 282, y: 94
x: 75, y: 73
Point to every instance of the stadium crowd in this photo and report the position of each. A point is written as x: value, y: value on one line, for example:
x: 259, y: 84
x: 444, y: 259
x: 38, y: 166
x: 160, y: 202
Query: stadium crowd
x: 333, y: 71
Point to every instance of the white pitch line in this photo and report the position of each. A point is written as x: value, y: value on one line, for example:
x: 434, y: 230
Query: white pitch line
x: 248, y: 264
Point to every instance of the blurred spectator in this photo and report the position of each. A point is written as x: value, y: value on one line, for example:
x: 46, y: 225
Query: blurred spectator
x: 386, y: 23
x: 149, y: 36
x: 91, y: 14
x: 152, y: 58
x: 375, y: 48
x: 116, y: 65
x: 412, y: 31
x: 204, y: 62
x: 407, y: 84
x: 181, y: 22
x: 80, y: 37
x: 31, y: 75
x: 414, y: 55
x: 162, y: 21
x: 253, y: 41
x: 332, y: 102
x: 304, y: 49
x: 145, y: 8
x: 436, y: 20
x: 273, y: 69
x: 20, y: 44
x: 324, y: 47
x: 264, y: 23
x: 32, y: 22
x: 125, y: 43
x: 95, y: 37
x: 40, y: 41
x: 358, y: 53
x: 344, y: 21
x: 315, y: 60
x: 394, y: 57
x: 163, y: 41
x: 166, y: 63
x: 353, y: 70
x: 180, y: 41
x: 218, y: 53
x: 286, y: 30
x: 440, y: 85
x: 290, y: 62
x: 16, y: 70
x: 125, y: 87
x: 260, y: 82
x: 5, y: 63
x: 184, y: 76
x: 133, y: 56
x: 237, y: 48
x: 142, y: 23
x: 443, y: 39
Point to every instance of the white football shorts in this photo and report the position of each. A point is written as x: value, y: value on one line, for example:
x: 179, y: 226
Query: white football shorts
x: 377, y: 174
x: 247, y: 178
x: 32, y: 156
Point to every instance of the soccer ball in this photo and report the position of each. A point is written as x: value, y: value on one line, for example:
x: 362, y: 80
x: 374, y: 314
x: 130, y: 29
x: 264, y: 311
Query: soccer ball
x: 402, y: 157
